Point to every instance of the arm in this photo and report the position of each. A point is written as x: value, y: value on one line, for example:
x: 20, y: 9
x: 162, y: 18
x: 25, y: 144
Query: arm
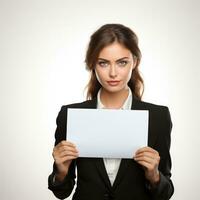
x: 165, y: 188
x: 156, y: 161
x: 61, y: 184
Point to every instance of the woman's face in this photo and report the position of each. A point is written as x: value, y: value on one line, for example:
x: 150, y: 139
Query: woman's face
x: 114, y: 67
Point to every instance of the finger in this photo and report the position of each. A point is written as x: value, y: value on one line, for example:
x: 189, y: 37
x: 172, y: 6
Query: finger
x: 150, y: 160
x: 146, y: 165
x: 65, y: 143
x: 146, y: 149
x: 65, y: 152
x: 64, y: 159
x: 65, y: 148
x: 68, y: 153
x: 147, y: 154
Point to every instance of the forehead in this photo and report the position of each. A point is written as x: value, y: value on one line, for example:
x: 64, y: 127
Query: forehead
x: 114, y: 51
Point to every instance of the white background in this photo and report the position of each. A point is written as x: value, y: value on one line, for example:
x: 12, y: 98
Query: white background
x: 42, y: 49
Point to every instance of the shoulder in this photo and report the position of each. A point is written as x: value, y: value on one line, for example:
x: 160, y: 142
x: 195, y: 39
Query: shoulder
x: 83, y: 104
x: 156, y: 111
x: 159, y: 114
x: 62, y: 115
x: 151, y: 106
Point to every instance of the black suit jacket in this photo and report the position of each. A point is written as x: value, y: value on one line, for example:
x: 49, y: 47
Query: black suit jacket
x: 130, y: 183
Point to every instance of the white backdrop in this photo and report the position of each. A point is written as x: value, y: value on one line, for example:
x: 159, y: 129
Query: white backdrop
x: 42, y: 49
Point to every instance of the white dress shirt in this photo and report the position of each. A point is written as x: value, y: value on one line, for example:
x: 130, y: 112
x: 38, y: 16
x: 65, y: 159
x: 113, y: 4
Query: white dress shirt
x: 112, y: 164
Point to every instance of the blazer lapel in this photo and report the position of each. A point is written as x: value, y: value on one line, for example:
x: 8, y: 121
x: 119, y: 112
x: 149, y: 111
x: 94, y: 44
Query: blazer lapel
x: 102, y: 171
x: 121, y: 172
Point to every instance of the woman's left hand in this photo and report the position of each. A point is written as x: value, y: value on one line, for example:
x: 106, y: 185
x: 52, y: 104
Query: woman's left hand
x: 149, y: 159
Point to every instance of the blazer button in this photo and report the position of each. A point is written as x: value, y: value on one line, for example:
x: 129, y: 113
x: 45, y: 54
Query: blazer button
x: 108, y: 196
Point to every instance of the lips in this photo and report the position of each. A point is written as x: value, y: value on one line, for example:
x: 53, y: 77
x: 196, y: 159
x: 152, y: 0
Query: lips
x: 113, y: 82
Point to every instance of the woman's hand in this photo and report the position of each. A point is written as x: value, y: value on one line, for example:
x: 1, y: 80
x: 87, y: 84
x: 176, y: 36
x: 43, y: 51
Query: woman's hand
x: 63, y: 154
x: 149, y: 159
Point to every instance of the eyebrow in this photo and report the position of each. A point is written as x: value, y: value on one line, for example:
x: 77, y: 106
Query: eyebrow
x: 116, y: 60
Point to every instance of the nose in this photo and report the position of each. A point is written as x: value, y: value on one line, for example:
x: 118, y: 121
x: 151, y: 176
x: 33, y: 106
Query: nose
x: 113, y: 71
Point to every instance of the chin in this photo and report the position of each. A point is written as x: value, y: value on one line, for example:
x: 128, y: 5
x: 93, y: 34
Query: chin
x: 114, y: 89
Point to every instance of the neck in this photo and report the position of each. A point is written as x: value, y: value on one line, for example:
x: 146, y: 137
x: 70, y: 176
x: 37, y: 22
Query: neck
x: 114, y: 100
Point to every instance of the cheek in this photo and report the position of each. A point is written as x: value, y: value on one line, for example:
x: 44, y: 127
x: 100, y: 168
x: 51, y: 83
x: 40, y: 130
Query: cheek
x: 127, y: 74
x: 98, y: 77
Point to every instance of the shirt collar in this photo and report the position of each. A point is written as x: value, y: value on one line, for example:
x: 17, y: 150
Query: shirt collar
x: 126, y: 106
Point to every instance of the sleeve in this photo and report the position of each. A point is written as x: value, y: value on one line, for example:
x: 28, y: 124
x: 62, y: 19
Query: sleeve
x: 165, y: 189
x: 62, y: 189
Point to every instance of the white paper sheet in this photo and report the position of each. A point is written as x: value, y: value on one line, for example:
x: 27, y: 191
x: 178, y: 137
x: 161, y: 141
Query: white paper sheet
x: 107, y: 133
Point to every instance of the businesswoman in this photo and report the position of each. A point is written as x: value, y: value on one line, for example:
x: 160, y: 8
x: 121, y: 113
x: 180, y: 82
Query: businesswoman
x: 113, y: 59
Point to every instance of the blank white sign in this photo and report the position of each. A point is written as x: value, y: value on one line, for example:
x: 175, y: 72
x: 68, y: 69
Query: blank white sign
x: 107, y: 133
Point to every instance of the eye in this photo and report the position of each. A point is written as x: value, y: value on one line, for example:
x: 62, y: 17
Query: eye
x: 122, y: 63
x: 103, y: 63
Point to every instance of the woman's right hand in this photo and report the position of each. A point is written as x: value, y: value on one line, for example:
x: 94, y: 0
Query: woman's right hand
x: 63, y: 154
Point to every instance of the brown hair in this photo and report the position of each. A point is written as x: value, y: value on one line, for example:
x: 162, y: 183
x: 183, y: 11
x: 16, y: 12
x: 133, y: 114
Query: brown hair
x: 104, y: 36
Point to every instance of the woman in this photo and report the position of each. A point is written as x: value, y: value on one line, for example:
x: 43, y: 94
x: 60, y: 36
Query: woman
x: 113, y: 58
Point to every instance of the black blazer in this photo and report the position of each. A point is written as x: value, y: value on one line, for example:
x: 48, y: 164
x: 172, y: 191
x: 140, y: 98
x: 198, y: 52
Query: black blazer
x: 130, y: 183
